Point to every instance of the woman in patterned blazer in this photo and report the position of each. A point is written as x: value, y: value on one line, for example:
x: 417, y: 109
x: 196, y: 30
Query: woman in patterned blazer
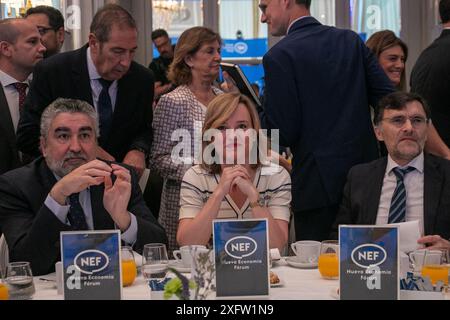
x: 194, y: 69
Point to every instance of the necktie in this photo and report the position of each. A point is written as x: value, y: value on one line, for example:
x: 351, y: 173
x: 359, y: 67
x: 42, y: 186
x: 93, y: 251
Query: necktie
x: 105, y: 111
x: 76, y: 215
x: 397, y: 211
x: 22, y: 90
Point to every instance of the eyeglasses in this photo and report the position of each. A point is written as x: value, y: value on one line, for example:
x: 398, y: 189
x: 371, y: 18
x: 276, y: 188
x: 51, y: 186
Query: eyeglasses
x: 400, y: 121
x: 43, y: 30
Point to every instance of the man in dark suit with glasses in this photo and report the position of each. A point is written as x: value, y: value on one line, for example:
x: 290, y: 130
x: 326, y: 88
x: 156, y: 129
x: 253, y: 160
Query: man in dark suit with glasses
x: 50, y: 23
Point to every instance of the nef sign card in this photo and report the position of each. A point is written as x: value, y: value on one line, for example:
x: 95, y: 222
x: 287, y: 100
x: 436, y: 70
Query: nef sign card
x: 241, y: 257
x: 91, y: 265
x: 369, y: 262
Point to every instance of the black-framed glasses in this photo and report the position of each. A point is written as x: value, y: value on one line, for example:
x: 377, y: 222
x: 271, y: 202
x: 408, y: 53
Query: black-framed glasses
x: 400, y: 121
x: 44, y: 30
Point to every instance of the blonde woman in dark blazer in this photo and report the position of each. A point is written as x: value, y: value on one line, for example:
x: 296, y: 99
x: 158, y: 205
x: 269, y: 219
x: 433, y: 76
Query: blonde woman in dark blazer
x: 194, y: 69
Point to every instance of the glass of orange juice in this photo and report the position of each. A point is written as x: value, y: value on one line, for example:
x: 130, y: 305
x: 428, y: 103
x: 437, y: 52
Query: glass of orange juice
x: 129, y: 270
x: 436, y: 273
x: 435, y: 268
x: 329, y: 259
x: 4, y: 294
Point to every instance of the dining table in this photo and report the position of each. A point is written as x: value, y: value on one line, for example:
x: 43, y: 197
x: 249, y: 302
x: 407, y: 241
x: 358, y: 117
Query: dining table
x: 295, y: 284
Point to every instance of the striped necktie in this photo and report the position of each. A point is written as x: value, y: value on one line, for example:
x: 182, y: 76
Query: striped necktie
x: 397, y: 211
x: 76, y: 214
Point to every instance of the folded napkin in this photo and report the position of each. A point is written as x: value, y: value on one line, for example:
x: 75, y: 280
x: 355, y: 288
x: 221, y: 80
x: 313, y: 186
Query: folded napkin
x: 409, y: 234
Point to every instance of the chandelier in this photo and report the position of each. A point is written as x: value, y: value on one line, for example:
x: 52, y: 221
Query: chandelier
x: 167, y: 11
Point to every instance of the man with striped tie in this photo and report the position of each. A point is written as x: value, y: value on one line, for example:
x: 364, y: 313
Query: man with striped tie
x: 406, y: 185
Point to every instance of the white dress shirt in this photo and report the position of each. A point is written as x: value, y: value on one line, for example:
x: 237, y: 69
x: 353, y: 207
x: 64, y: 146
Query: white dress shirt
x: 96, y: 86
x: 298, y: 19
x: 12, y: 96
x: 414, y: 185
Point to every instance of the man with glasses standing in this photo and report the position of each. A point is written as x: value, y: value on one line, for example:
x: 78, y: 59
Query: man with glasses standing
x: 406, y: 185
x: 50, y: 23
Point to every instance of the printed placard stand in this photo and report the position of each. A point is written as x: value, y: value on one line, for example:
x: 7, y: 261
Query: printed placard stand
x: 91, y: 265
x: 242, y: 258
x: 369, y: 263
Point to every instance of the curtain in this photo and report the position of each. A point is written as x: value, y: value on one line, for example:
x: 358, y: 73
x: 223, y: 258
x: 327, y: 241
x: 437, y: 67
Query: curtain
x: 370, y: 16
x: 324, y: 11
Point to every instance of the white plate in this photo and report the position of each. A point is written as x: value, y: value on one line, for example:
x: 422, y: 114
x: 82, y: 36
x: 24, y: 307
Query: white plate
x: 179, y: 266
x: 279, y: 284
x: 292, y: 261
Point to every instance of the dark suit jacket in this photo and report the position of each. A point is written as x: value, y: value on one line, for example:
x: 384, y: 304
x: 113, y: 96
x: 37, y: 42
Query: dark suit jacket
x: 363, y: 191
x: 430, y: 78
x: 32, y: 230
x: 66, y: 76
x: 319, y: 84
x: 9, y: 155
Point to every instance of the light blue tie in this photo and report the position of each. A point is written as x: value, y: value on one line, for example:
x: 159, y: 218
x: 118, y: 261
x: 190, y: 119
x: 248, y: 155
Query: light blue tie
x: 397, y: 212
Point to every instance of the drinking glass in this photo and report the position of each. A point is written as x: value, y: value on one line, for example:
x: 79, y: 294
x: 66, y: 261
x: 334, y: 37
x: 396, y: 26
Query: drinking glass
x: 329, y: 259
x: 434, y: 267
x: 20, y: 281
x: 129, y: 269
x: 4, y: 294
x: 154, y: 261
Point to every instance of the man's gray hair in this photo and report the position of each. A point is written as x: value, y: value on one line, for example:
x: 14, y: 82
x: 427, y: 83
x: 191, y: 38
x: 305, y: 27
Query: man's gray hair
x: 67, y: 106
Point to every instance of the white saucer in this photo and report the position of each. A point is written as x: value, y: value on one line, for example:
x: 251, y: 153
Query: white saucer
x: 177, y: 265
x: 292, y: 261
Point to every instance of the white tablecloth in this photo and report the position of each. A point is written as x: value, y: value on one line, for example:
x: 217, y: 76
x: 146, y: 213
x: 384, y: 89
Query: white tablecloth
x: 298, y: 284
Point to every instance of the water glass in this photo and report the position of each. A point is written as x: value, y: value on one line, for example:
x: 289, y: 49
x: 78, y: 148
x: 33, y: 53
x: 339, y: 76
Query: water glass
x: 129, y: 269
x: 329, y: 259
x: 19, y: 279
x: 154, y: 261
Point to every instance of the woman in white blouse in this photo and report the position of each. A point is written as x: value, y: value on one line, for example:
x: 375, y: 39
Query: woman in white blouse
x: 194, y: 69
x: 233, y: 187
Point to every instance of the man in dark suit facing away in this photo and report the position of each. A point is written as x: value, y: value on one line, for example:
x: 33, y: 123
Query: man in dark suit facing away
x: 104, y: 75
x: 68, y: 190
x: 430, y: 76
x: 406, y: 185
x: 320, y: 82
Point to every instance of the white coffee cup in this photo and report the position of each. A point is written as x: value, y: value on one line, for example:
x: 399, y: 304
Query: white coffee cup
x: 184, y: 255
x: 306, y: 251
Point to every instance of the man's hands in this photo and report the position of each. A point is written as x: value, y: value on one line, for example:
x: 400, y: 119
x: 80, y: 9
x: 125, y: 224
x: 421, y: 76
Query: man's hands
x: 89, y: 174
x: 133, y: 158
x: 117, y: 196
x: 435, y: 242
x: 136, y: 159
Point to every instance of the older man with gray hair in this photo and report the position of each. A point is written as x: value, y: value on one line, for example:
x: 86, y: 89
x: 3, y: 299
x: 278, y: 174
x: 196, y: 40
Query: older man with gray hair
x: 68, y: 189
